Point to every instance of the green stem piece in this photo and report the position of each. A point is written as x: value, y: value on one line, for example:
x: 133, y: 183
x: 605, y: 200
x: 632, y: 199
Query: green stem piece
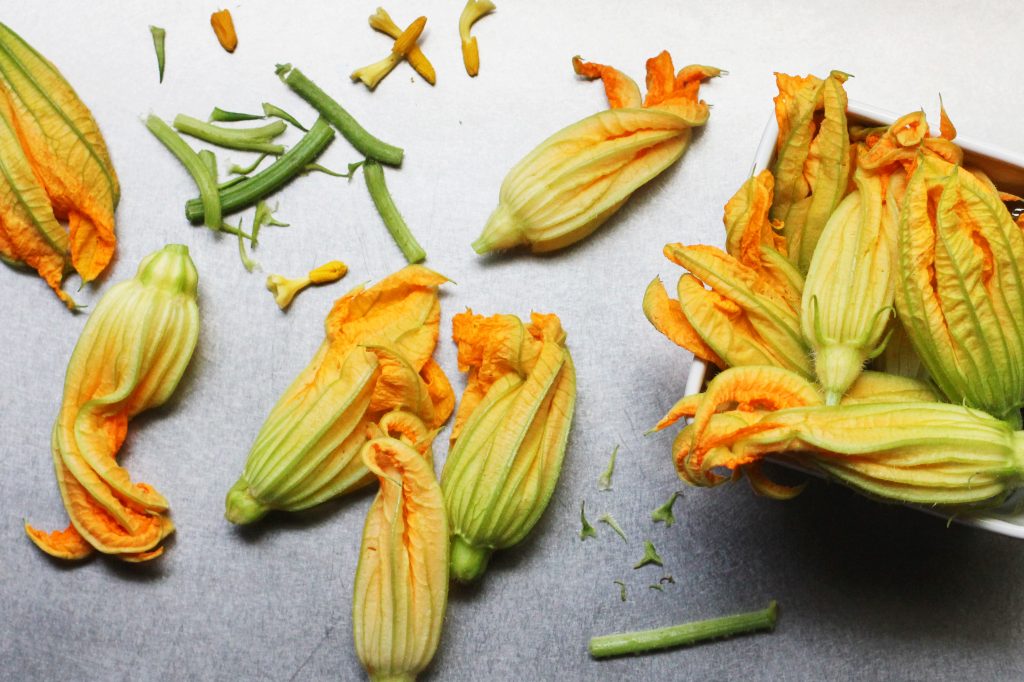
x: 367, y: 144
x: 209, y: 203
x: 245, y: 170
x: 605, y: 481
x: 277, y: 112
x: 159, y: 36
x: 684, y: 634
x: 411, y: 249
x: 245, y: 139
x: 656, y: 586
x: 663, y: 514
x: 650, y: 556
x: 587, y: 531
x: 247, y: 262
x: 271, y: 178
x: 610, y: 520
x: 317, y: 168
x: 232, y: 182
x: 219, y: 114
x: 264, y: 216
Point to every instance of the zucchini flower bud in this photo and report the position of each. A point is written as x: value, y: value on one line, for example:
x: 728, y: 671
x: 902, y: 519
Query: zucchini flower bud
x: 961, y: 294
x: 285, y: 290
x: 376, y: 359
x: 848, y: 295
x: 576, y: 179
x: 509, y: 435
x: 812, y: 158
x: 131, y: 354
x: 401, y: 584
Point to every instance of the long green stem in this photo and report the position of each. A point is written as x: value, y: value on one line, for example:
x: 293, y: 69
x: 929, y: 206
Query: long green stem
x: 400, y: 232
x: 271, y: 178
x: 209, y: 204
x: 350, y: 129
x: 246, y: 139
x: 685, y: 634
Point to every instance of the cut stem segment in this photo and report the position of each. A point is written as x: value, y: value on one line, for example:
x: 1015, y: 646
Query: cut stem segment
x: 245, y: 139
x: 358, y: 137
x: 400, y: 232
x: 684, y: 634
x: 271, y: 178
x: 208, y: 205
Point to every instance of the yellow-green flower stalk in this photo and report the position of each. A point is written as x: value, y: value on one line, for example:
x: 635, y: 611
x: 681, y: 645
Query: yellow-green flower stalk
x: 375, y: 364
x: 576, y: 179
x: 509, y: 435
x: 401, y: 584
x: 285, y: 289
x: 961, y: 292
x: 812, y: 159
x: 130, y: 357
x: 851, y: 282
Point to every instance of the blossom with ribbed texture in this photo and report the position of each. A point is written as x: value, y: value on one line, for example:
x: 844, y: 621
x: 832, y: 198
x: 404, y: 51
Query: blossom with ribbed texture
x: 131, y: 354
x: 509, y: 435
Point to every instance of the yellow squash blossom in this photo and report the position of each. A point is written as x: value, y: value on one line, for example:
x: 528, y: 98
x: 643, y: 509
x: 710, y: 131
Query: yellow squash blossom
x: 376, y: 361
x: 750, y: 314
x: 401, y: 583
x: 897, y: 448
x: 961, y: 294
x: 576, y: 179
x: 63, y: 147
x: 812, y: 159
x: 509, y: 435
x: 130, y: 356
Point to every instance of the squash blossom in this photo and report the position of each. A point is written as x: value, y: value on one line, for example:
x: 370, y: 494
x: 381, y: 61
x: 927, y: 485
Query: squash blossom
x: 375, y: 366
x: 509, y: 435
x: 961, y: 296
x: 751, y: 313
x: 902, y: 450
x: 55, y: 166
x: 812, y: 158
x: 401, y: 583
x: 131, y: 354
x: 576, y: 179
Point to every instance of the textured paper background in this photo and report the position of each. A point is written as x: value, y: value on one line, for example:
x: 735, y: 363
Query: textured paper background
x: 866, y: 591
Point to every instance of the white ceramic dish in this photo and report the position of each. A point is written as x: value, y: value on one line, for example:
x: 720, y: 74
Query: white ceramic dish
x: 1007, y: 172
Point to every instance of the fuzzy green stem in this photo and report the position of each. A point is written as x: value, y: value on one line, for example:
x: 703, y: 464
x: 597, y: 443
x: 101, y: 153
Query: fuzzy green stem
x: 468, y: 563
x: 837, y: 367
x: 219, y: 114
x: 245, y: 139
x: 277, y: 112
x: 392, y: 677
x: 271, y: 178
x: 209, y: 202
x: 241, y: 507
x: 683, y: 635
x: 367, y: 144
x: 159, y: 37
x: 374, y: 175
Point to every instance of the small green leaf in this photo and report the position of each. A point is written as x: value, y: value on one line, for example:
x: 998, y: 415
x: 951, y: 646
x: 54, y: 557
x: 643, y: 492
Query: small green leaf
x: 159, y: 37
x: 610, y: 520
x: 656, y: 586
x: 622, y: 589
x: 587, y: 531
x: 650, y: 556
x: 605, y: 482
x: 663, y: 514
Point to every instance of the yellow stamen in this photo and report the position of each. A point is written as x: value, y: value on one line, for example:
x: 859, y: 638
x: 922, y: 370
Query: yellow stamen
x: 285, y: 289
x: 374, y: 73
x: 473, y: 10
x: 381, y: 21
